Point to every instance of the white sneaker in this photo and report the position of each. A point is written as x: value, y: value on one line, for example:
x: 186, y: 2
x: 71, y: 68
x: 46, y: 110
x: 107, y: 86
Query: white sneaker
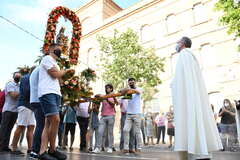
x: 109, y: 150
x: 96, y: 150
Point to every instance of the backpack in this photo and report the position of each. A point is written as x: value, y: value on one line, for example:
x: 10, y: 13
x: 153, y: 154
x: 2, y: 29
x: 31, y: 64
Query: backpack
x: 2, y: 100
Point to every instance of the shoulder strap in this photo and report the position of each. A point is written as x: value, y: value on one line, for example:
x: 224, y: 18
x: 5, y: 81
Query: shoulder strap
x: 73, y: 109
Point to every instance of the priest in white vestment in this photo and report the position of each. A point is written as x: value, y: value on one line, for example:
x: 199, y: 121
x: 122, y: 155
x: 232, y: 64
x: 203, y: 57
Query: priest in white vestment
x: 195, y: 128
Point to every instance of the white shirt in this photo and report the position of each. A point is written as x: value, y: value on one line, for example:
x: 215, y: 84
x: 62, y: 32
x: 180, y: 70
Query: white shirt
x: 82, y: 110
x: 134, y: 104
x: 10, y: 102
x: 123, y: 105
x: 48, y: 84
x: 34, y: 85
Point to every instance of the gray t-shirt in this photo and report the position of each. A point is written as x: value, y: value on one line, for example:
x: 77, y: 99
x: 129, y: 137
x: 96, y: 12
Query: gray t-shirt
x: 10, y: 103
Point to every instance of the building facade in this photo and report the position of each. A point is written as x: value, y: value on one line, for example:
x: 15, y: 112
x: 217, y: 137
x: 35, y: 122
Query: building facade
x: 160, y: 24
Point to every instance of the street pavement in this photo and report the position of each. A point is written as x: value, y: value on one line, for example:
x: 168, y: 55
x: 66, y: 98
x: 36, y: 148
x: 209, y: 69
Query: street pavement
x: 148, y: 153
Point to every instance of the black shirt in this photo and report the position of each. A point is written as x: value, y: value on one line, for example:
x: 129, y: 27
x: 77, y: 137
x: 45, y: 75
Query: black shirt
x: 227, y: 118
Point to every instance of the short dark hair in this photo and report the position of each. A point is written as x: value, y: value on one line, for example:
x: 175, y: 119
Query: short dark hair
x: 187, y: 42
x: 52, y: 46
x: 131, y: 79
x: 14, y: 73
x: 109, y: 86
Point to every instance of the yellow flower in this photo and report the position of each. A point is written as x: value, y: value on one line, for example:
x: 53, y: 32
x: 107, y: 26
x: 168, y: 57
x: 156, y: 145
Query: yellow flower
x: 66, y: 82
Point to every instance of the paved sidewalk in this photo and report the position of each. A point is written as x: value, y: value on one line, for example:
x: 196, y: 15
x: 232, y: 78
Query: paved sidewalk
x: 156, y: 152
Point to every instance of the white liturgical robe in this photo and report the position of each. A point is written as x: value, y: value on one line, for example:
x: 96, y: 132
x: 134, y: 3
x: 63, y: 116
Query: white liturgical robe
x: 195, y: 128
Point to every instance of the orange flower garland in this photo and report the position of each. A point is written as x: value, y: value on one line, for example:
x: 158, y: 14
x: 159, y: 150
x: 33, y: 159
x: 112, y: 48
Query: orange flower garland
x: 76, y: 34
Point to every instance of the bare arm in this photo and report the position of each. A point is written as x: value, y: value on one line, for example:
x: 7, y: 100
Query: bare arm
x: 115, y: 101
x: 55, y: 73
x: 64, y: 111
x: 14, y: 94
x: 126, y: 90
x: 221, y: 113
x: 231, y: 113
x: 136, y: 91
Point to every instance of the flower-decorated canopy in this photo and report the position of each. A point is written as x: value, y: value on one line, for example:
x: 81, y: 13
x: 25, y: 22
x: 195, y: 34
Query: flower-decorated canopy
x: 76, y: 33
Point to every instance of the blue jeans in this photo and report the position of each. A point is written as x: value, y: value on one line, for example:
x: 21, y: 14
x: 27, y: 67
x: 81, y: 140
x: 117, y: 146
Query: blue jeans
x: 132, y: 121
x: 106, y: 122
x: 60, y: 129
x: 132, y: 136
x: 50, y: 104
x: 93, y: 131
x: 40, y: 121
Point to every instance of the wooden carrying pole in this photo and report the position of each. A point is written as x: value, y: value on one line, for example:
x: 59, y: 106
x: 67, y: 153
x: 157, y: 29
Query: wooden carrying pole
x: 107, y: 96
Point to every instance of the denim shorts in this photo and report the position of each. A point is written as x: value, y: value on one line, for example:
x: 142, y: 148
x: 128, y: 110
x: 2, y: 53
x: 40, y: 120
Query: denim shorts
x: 50, y: 104
x: 229, y: 129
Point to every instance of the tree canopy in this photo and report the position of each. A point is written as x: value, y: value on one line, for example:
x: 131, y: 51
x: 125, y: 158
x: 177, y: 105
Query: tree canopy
x: 122, y: 57
x: 231, y: 15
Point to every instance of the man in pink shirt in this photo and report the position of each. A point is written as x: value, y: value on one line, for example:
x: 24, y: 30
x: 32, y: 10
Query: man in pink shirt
x: 107, y: 120
x: 160, y: 120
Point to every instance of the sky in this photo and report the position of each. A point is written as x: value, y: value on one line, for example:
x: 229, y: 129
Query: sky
x: 18, y: 48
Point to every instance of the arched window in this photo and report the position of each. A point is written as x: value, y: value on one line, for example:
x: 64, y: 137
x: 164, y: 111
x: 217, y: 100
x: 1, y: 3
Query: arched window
x: 146, y: 33
x: 208, y: 56
x: 199, y: 13
x: 159, y: 32
x: 171, y: 23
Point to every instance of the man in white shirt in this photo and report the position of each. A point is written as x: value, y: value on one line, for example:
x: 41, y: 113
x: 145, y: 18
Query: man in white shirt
x: 50, y: 97
x: 39, y: 115
x: 123, y: 105
x: 133, y: 118
x: 9, y: 112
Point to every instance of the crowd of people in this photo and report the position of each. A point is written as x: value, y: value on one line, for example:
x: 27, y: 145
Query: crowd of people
x: 34, y: 99
x: 33, y: 103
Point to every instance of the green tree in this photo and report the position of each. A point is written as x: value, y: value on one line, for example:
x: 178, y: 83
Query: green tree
x: 231, y: 15
x: 123, y: 57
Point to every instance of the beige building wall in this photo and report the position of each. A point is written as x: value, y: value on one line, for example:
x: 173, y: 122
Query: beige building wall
x: 160, y: 23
